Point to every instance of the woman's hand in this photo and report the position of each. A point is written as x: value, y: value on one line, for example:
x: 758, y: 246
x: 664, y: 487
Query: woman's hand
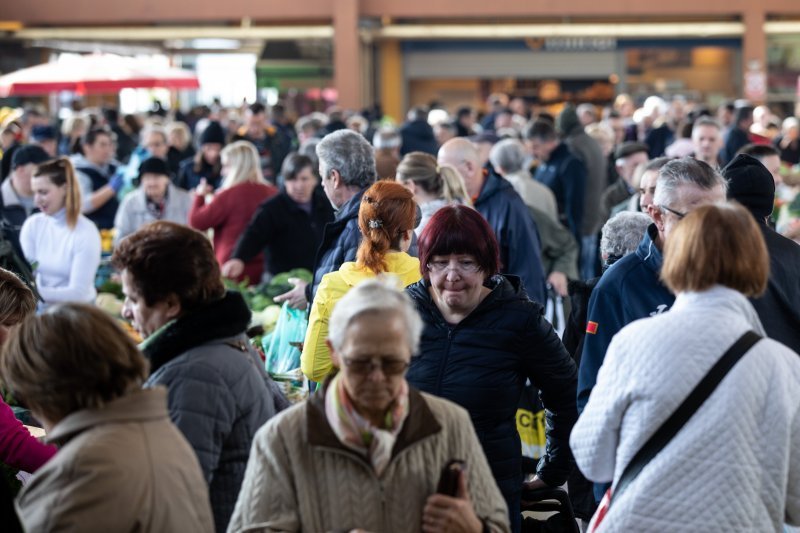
x: 295, y: 297
x: 444, y: 514
x: 232, y: 268
x: 203, y: 189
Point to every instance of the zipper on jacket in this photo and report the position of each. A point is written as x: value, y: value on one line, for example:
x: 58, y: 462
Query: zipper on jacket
x: 443, y: 363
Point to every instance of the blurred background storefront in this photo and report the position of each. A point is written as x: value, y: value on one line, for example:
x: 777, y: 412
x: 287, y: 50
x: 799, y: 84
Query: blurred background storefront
x: 355, y: 53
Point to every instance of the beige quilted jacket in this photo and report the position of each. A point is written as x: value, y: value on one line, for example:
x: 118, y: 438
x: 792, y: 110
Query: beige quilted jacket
x: 301, y: 478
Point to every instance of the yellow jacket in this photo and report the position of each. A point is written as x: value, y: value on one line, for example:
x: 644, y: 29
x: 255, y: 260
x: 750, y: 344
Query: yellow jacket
x: 315, y: 361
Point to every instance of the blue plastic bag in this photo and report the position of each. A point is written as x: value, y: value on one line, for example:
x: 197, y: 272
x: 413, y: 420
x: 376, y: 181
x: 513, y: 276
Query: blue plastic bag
x: 282, y: 347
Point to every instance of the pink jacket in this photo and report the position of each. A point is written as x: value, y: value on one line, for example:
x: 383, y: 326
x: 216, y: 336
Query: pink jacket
x: 18, y: 448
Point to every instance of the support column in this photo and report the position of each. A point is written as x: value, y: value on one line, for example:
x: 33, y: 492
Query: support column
x: 346, y: 54
x: 754, y: 56
x: 391, y: 65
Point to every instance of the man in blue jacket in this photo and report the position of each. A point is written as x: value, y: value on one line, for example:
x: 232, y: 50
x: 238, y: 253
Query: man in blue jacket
x: 495, y: 199
x: 631, y: 288
x: 347, y: 167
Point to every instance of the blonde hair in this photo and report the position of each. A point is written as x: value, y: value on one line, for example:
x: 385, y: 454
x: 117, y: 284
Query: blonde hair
x: 442, y: 181
x: 244, y: 165
x: 74, y: 123
x: 716, y: 245
x: 181, y: 130
x: 73, y: 357
x: 61, y: 172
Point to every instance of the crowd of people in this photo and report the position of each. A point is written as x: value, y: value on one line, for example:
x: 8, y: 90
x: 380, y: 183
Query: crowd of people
x: 440, y: 251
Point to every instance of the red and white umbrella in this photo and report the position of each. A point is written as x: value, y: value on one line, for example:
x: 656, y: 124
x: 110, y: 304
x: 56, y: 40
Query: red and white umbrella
x: 95, y: 73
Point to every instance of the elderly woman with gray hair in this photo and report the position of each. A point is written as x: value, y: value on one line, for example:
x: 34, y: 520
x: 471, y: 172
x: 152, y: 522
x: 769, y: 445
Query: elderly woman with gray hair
x: 366, y: 451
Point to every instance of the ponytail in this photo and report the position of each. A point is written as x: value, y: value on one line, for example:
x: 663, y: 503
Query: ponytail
x: 454, y: 191
x: 386, y: 213
x: 73, y: 199
x: 61, y: 172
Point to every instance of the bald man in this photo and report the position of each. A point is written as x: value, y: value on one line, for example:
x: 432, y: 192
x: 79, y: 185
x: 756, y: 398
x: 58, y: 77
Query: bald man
x: 495, y: 199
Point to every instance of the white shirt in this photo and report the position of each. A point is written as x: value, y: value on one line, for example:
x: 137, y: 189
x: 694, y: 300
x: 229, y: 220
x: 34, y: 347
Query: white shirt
x: 65, y: 259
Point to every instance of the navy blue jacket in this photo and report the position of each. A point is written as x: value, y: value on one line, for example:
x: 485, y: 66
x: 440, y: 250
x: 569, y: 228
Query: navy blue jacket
x: 482, y: 364
x: 658, y: 139
x: 340, y: 241
x: 103, y: 217
x: 189, y: 179
x: 565, y: 174
x: 735, y: 138
x: 516, y: 232
x: 628, y: 291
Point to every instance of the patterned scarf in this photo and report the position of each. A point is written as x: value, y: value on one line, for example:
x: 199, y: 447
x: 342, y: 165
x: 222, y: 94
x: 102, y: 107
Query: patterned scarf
x: 356, y: 432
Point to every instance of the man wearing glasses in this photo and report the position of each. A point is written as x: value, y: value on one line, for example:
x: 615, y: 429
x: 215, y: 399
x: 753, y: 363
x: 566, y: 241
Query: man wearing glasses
x: 631, y: 288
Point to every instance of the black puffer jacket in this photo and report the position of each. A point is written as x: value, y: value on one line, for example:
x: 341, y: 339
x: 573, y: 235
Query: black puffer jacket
x: 482, y: 364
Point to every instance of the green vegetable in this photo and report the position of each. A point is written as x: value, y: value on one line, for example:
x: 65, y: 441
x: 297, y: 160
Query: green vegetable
x: 112, y: 287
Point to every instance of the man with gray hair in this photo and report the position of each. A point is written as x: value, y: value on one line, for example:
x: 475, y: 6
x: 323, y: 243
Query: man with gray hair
x: 347, y: 169
x: 508, y: 159
x: 631, y: 289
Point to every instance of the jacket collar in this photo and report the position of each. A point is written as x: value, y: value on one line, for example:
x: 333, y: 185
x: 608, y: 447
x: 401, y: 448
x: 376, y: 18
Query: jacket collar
x: 137, y: 406
x: 419, y: 424
x: 505, y: 288
x: 647, y: 250
x: 220, y: 319
x: 718, y: 298
x: 492, y: 185
x: 350, y: 208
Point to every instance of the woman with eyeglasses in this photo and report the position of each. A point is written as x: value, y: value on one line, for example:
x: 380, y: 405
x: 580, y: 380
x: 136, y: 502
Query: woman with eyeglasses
x: 386, y: 218
x: 61, y: 244
x: 366, y: 451
x: 483, y: 339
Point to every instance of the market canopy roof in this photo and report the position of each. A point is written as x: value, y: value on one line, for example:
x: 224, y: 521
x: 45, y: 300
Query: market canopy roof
x: 95, y: 73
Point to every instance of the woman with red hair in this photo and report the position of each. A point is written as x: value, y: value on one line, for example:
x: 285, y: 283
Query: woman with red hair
x: 483, y: 338
x: 386, y: 218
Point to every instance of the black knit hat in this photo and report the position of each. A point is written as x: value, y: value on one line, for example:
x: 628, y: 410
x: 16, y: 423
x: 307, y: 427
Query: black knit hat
x: 154, y: 165
x: 213, y: 134
x: 750, y: 184
x: 30, y: 153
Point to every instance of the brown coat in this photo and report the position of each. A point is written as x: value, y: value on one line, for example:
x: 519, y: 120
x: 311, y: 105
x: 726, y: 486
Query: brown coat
x: 121, y: 468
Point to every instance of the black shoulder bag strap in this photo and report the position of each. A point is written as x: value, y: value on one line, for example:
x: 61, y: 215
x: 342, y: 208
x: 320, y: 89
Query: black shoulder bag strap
x: 684, y: 412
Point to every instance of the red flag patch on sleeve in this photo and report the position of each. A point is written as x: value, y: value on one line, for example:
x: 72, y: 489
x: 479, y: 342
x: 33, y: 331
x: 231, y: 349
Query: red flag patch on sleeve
x: 591, y: 327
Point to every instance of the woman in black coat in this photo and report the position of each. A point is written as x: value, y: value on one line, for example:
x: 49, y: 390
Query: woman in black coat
x: 483, y: 339
x: 289, y: 225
